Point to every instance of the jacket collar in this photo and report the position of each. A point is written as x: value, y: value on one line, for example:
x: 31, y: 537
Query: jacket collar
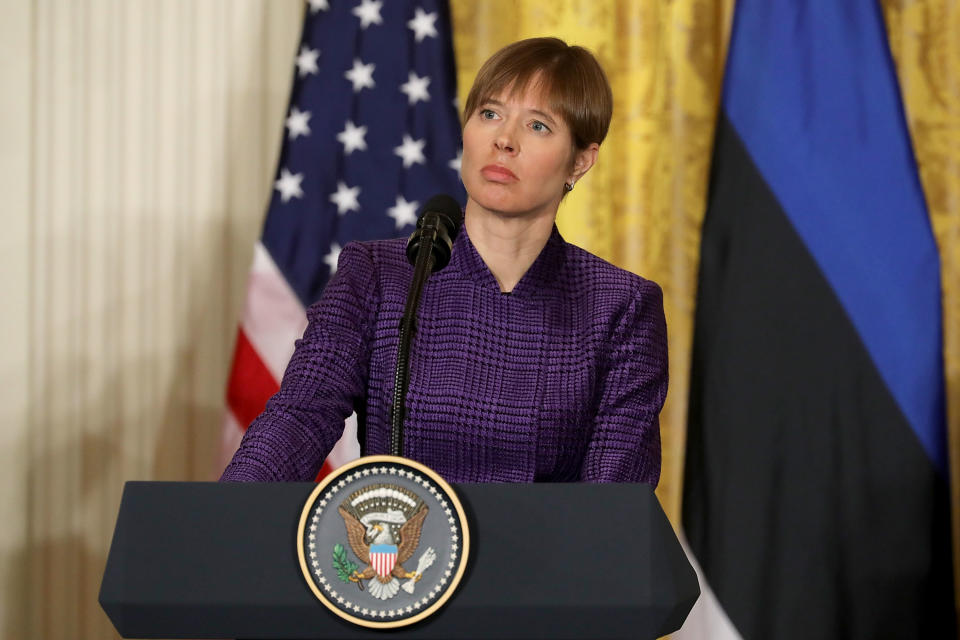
x: 539, y: 278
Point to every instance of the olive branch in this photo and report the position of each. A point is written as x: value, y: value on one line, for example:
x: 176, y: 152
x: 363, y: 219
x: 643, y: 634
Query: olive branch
x: 344, y: 567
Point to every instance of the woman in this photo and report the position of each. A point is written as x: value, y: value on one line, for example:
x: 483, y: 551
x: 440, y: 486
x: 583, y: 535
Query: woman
x: 533, y: 359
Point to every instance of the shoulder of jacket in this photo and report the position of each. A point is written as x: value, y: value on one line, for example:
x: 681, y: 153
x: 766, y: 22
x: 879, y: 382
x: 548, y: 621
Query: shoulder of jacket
x: 377, y: 252
x: 597, y: 274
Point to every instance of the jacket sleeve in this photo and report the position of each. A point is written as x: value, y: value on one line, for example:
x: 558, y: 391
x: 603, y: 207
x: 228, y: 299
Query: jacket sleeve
x: 326, y: 375
x: 625, y: 442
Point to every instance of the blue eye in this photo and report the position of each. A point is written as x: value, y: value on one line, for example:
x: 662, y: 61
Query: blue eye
x: 487, y: 114
x: 539, y: 126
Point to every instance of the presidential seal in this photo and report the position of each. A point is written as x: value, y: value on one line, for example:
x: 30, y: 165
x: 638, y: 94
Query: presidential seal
x: 383, y: 542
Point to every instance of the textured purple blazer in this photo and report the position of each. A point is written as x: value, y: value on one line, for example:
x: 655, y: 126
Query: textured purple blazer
x: 560, y: 380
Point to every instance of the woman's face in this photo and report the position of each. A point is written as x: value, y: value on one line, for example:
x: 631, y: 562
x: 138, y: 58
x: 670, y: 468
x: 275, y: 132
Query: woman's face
x: 517, y: 154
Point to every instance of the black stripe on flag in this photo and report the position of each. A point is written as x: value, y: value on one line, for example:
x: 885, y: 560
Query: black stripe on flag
x: 808, y: 500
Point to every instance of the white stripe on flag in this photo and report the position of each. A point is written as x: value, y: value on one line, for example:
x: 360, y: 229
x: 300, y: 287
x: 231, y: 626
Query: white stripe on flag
x: 707, y: 619
x: 347, y: 447
x: 273, y: 317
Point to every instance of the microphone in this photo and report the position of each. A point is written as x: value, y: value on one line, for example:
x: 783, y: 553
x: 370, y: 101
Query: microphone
x: 439, y: 223
x: 428, y: 250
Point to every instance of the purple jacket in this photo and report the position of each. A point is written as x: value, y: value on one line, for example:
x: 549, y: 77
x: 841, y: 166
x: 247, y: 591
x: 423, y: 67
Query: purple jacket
x: 560, y: 380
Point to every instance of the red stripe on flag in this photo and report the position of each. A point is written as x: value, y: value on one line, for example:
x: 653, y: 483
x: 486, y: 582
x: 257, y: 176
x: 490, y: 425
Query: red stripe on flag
x: 251, y: 384
x: 324, y: 470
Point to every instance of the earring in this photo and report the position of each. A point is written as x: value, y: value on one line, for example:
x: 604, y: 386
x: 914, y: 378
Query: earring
x: 568, y: 186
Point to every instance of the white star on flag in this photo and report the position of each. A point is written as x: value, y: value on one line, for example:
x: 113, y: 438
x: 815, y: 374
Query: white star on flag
x: 352, y: 138
x: 422, y: 25
x: 361, y: 75
x: 404, y: 213
x: 416, y: 88
x: 318, y: 5
x: 297, y: 123
x: 411, y: 151
x: 307, y: 61
x: 369, y: 13
x: 331, y: 258
x: 346, y: 198
x: 289, y: 185
x: 455, y: 163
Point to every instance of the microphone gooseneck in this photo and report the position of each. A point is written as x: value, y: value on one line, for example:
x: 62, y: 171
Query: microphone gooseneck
x: 440, y: 220
x: 428, y: 250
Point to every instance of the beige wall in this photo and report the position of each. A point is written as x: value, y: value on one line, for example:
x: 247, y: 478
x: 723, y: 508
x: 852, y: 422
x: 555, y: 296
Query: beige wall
x: 137, y: 146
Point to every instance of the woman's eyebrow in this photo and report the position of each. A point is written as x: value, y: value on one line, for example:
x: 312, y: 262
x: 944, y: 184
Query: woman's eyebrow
x: 537, y: 112
x: 544, y: 115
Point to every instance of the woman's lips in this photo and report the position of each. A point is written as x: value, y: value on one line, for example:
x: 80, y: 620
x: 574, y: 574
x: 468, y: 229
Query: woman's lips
x: 496, y: 173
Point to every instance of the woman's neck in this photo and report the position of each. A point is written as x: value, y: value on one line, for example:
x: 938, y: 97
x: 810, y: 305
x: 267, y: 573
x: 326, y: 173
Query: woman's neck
x: 507, y: 245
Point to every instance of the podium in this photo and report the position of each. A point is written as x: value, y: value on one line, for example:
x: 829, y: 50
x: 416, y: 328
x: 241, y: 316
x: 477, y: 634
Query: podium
x: 211, y: 560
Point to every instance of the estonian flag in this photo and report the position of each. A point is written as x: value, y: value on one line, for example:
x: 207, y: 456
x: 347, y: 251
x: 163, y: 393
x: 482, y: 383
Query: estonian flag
x: 816, y: 493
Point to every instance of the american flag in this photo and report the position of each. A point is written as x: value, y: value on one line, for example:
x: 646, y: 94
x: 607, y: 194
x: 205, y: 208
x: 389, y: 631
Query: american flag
x: 371, y: 133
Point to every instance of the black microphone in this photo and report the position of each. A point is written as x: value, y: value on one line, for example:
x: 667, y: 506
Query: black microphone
x: 428, y: 250
x: 439, y: 222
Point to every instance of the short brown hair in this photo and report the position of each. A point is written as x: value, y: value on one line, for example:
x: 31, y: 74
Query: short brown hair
x: 574, y: 83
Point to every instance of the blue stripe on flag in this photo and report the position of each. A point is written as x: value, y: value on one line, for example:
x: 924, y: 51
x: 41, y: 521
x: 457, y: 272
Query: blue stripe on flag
x: 817, y: 104
x: 383, y: 548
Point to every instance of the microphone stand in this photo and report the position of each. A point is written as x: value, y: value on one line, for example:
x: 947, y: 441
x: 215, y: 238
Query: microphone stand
x: 401, y: 379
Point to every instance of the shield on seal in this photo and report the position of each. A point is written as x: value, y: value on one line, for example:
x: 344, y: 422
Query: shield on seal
x: 382, y: 558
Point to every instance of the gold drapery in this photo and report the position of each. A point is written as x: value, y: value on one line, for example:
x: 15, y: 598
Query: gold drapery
x: 641, y: 207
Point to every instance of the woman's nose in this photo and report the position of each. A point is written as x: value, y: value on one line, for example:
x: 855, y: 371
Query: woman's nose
x: 505, y: 142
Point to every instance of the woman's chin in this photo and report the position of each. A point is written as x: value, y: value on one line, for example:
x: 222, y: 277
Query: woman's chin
x: 510, y: 207
x: 499, y: 202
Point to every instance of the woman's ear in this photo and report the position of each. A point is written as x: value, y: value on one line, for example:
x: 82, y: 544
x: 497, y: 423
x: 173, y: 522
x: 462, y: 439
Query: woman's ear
x: 582, y: 161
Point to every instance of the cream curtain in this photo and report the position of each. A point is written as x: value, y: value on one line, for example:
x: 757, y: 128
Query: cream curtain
x: 137, y: 158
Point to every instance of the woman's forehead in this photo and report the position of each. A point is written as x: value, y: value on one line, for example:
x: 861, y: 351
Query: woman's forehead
x: 532, y: 95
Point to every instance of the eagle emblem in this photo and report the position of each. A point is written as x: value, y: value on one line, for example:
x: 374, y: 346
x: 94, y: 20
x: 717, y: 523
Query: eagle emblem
x: 383, y: 542
x: 383, y: 525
